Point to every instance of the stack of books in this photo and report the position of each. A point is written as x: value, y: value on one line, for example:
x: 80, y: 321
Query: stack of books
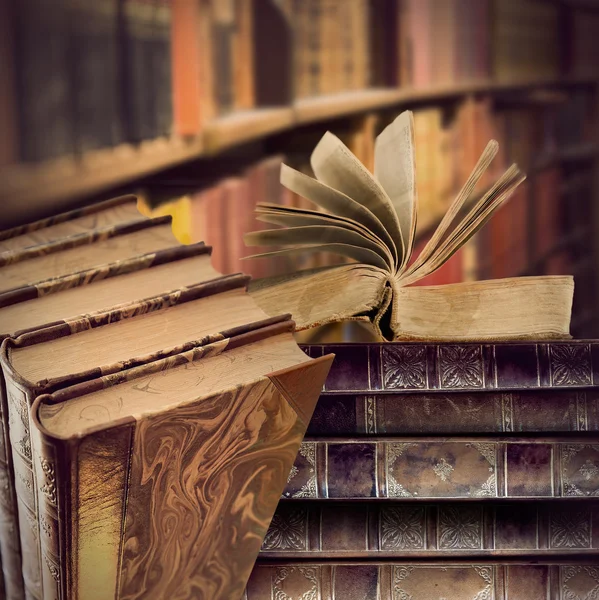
x: 150, y: 412
x: 462, y: 471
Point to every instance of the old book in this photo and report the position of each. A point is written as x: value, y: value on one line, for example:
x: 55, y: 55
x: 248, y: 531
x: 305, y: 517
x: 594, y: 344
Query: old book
x: 223, y: 28
x: 64, y: 300
x: 243, y: 55
x: 137, y: 38
x: 412, y: 368
x: 186, y: 68
x: 162, y: 62
x: 43, y: 80
x: 105, y: 342
x: 188, y: 432
x: 474, y: 469
x: 361, y: 580
x: 398, y: 530
x: 93, y: 67
x: 9, y: 149
x: 446, y: 413
x: 95, y: 216
x: 372, y: 221
x: 80, y: 253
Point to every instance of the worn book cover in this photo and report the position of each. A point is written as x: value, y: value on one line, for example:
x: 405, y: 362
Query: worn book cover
x: 107, y: 342
x: 194, y: 451
x: 66, y: 299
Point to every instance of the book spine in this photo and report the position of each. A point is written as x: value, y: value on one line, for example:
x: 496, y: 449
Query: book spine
x: 400, y: 368
x: 9, y: 148
x: 223, y: 26
x: 455, y: 468
x: 358, y: 580
x: 137, y: 39
x: 186, y: 69
x: 51, y: 466
x: 162, y: 67
x: 43, y: 80
x: 10, y: 547
x: 379, y: 531
x: 93, y: 48
x: 456, y: 413
x: 18, y: 400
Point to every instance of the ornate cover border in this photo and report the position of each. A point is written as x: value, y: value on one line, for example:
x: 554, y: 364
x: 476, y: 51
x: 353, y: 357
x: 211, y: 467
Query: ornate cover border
x: 410, y: 367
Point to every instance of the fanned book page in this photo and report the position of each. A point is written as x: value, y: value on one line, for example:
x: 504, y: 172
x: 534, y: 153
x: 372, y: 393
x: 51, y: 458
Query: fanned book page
x: 371, y: 220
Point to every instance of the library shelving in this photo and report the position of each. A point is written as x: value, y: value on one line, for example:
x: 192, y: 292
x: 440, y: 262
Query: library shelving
x: 196, y: 102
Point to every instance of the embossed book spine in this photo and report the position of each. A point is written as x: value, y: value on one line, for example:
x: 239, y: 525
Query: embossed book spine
x: 406, y: 389
x: 456, y: 413
x: 395, y: 368
x: 117, y: 516
x: 21, y: 393
x: 9, y: 525
x: 516, y: 580
x: 472, y: 469
x: 381, y: 531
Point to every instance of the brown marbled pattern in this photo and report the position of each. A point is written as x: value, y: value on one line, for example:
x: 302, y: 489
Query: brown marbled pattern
x: 217, y: 466
x: 202, y: 483
x: 9, y: 525
x: 7, y: 234
x: 74, y: 241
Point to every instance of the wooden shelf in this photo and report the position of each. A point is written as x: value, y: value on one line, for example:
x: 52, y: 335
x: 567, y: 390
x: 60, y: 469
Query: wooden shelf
x: 65, y: 179
x: 336, y: 106
x: 243, y: 127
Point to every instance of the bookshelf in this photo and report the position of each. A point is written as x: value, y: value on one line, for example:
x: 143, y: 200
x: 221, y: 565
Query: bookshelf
x: 36, y: 185
x: 250, y: 82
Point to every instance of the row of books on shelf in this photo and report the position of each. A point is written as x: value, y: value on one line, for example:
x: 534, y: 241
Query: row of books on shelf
x: 124, y: 72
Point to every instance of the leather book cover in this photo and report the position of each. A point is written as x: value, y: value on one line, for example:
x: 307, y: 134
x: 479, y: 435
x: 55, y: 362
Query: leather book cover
x: 474, y: 469
x: 59, y: 303
x: 454, y: 580
x: 466, y: 367
x: 21, y: 392
x: 183, y: 496
x: 447, y: 413
x: 382, y: 531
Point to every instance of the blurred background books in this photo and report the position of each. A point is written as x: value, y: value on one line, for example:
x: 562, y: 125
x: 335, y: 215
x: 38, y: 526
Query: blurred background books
x: 194, y: 104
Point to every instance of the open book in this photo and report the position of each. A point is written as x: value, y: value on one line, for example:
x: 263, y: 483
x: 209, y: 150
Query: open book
x: 372, y: 221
